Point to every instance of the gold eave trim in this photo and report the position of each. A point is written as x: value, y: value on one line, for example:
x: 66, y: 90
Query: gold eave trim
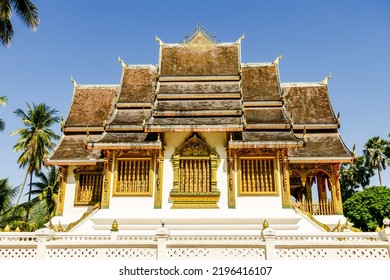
x: 320, y: 159
x: 124, y: 128
x: 236, y: 112
x: 179, y: 96
x: 190, y: 128
x: 263, y: 103
x: 268, y: 144
x: 315, y: 126
x: 267, y: 126
x: 199, y: 78
x: 73, y: 162
x: 83, y: 129
x: 121, y: 146
x: 139, y: 105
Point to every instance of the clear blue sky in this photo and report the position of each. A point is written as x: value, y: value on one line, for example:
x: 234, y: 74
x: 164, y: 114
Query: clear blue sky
x: 350, y: 39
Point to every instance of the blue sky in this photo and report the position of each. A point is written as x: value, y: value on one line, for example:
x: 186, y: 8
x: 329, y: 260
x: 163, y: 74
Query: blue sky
x: 350, y: 39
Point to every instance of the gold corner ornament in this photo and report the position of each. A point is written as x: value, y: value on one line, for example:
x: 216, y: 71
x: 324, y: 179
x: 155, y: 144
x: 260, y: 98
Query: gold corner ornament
x: 276, y: 61
x: 73, y: 81
x: 265, y: 224
x: 7, y: 228
x: 240, y: 39
x: 123, y: 64
x: 327, y: 78
x: 160, y: 42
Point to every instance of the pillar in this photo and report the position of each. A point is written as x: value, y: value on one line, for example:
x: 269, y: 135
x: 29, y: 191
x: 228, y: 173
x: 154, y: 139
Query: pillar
x: 108, y: 171
x: 336, y: 193
x: 286, y: 200
x: 61, y: 192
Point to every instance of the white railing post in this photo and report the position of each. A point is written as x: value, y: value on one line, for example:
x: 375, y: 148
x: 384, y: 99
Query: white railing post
x: 384, y: 234
x: 269, y: 236
x: 43, y: 235
x: 162, y: 235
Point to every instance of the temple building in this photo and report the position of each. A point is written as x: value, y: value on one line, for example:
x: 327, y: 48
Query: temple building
x: 200, y: 142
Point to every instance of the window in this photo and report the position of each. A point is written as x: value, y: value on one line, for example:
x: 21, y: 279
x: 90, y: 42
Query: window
x: 88, y: 188
x: 133, y: 177
x: 257, y: 176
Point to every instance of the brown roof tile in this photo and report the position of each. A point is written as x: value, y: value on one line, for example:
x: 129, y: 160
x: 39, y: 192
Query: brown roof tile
x: 199, y: 87
x: 72, y: 149
x: 309, y: 104
x: 91, y: 105
x: 186, y: 60
x: 265, y: 115
x: 130, y: 116
x: 260, y: 83
x: 138, y: 84
x: 198, y: 105
x: 267, y: 139
x: 325, y: 146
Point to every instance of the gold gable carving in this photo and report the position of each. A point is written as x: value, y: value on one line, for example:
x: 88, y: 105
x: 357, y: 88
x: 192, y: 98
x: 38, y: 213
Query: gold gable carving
x: 194, y: 146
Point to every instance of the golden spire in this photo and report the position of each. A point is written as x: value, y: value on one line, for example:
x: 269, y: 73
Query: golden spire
x: 276, y: 61
x: 327, y: 78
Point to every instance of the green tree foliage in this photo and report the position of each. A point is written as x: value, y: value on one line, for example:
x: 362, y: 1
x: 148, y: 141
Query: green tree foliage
x: 354, y: 176
x: 35, y: 139
x: 367, y: 209
x: 7, y: 194
x: 27, y: 12
x: 3, y: 101
x: 375, y: 152
x: 45, y: 192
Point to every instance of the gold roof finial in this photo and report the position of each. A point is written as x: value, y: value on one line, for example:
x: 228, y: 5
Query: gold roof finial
x: 121, y: 62
x: 73, y: 81
x: 338, y: 118
x: 276, y: 61
x: 240, y: 39
x: 160, y: 42
x: 17, y: 229
x: 354, y: 150
x: 327, y: 78
x: 7, y: 228
x: 304, y: 134
x: 87, y: 140
x: 114, y: 226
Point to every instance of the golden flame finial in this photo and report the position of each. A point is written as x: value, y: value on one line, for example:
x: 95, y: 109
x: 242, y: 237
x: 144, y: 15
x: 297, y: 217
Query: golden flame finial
x: 121, y: 62
x: 327, y: 78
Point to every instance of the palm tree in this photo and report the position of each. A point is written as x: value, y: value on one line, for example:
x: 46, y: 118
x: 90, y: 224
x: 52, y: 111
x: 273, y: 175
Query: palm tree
x: 3, y: 101
x: 25, y: 9
x: 36, y: 139
x: 46, y: 191
x: 7, y: 194
x: 375, y: 153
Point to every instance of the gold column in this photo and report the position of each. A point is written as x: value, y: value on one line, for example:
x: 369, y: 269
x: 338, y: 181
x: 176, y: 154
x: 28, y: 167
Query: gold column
x: 286, y: 200
x: 159, y: 180
x: 176, y: 172
x: 61, y: 192
x: 214, y: 166
x: 336, y: 195
x: 105, y: 200
x: 231, y: 190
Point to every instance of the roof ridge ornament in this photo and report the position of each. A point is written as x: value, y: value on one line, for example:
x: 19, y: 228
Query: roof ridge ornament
x: 327, y: 78
x: 160, y: 42
x: 121, y: 62
x: 240, y: 39
x: 73, y: 81
x: 276, y: 61
x: 200, y: 31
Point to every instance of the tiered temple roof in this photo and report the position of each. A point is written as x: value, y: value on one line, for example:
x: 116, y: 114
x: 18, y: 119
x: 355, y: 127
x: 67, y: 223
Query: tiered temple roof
x: 201, y: 85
